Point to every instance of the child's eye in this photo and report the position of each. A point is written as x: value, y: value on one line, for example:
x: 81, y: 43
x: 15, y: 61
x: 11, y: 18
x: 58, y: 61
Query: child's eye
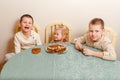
x: 24, y: 22
x: 30, y: 23
x: 90, y: 31
x: 96, y: 31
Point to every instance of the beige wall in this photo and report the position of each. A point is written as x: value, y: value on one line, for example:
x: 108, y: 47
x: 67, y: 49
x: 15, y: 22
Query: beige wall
x: 77, y: 13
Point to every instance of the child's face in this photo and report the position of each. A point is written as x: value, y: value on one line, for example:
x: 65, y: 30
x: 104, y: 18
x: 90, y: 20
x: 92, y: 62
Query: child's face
x: 58, y: 35
x: 95, y: 32
x: 26, y: 24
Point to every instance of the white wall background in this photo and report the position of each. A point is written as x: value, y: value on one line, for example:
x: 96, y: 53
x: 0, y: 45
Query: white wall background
x: 77, y: 13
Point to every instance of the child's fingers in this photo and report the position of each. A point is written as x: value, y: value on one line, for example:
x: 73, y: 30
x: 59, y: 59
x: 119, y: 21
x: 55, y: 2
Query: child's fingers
x: 85, y: 51
x: 77, y: 47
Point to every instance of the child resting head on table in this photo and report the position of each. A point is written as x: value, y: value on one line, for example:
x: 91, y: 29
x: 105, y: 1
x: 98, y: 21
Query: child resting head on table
x: 96, y: 38
x: 26, y: 37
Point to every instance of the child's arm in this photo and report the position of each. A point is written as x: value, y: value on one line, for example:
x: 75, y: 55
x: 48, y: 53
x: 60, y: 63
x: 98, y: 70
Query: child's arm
x: 78, y: 42
x: 38, y: 40
x: 108, y: 54
x: 17, y: 45
x: 81, y: 39
x: 78, y: 45
x: 93, y: 53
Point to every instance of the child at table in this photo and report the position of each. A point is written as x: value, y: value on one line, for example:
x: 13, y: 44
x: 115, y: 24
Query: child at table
x: 60, y: 35
x: 26, y: 38
x: 95, y: 38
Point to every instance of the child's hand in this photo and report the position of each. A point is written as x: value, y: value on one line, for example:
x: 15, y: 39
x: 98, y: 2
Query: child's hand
x: 88, y: 52
x: 78, y: 45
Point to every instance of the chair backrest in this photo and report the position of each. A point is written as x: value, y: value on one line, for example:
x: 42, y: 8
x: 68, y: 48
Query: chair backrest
x: 50, y: 28
x: 35, y: 28
x: 111, y: 34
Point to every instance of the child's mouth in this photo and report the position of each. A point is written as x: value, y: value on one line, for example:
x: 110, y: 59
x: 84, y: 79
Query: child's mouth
x: 26, y: 27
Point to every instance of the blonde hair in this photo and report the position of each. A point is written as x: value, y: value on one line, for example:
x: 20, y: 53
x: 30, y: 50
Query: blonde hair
x: 64, y: 32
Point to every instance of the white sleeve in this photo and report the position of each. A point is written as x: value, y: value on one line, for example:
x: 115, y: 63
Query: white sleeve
x: 109, y: 51
x: 80, y: 39
x: 17, y: 44
x: 38, y: 39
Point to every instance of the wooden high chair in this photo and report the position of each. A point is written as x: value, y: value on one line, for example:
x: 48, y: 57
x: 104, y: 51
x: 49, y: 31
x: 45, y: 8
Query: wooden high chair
x: 50, y: 28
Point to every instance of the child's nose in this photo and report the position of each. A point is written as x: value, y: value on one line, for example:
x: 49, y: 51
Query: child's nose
x: 93, y: 33
x: 27, y: 23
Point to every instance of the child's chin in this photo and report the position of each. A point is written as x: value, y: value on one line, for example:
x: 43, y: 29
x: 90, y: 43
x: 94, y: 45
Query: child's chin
x: 94, y: 40
x: 55, y: 39
x: 26, y: 30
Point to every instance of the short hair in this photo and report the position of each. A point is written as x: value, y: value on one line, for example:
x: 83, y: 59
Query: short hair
x: 97, y: 21
x: 26, y: 15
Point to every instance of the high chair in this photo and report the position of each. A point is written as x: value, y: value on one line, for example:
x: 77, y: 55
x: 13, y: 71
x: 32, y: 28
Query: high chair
x: 111, y: 34
x: 50, y: 28
x: 35, y: 28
